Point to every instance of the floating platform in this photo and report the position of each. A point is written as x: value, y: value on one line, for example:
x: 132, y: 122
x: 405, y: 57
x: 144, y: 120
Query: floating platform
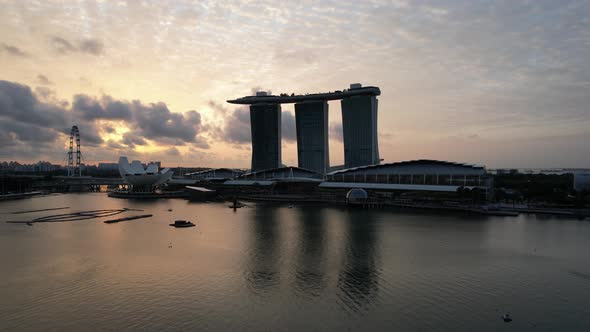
x: 148, y: 195
x: 141, y: 216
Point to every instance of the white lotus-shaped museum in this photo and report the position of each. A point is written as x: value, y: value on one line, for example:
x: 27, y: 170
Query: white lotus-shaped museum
x: 136, y: 175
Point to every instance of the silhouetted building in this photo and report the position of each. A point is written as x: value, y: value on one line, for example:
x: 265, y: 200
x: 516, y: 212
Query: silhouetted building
x: 359, y: 126
x: 215, y: 174
x: 108, y: 166
x: 582, y: 181
x: 265, y: 120
x: 312, y: 135
x: 140, y: 178
x: 414, y: 176
x: 359, y: 122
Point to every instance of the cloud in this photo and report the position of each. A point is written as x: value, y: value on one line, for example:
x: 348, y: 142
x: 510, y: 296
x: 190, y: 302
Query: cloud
x: 62, y: 46
x: 502, y: 69
x: 26, y: 132
x: 44, y: 92
x: 155, y: 121
x: 173, y: 151
x: 88, y: 46
x: 14, y: 51
x: 15, y: 149
x: 89, y: 133
x: 85, y: 81
x: 38, y: 120
x: 295, y: 57
x: 107, y: 108
x: 201, y: 143
x: 115, y: 145
x: 91, y: 46
x: 43, y: 80
x: 29, y: 128
x: 219, y: 108
x: 236, y: 128
x: 288, y: 130
x: 130, y: 139
x: 18, y: 103
x: 335, y: 130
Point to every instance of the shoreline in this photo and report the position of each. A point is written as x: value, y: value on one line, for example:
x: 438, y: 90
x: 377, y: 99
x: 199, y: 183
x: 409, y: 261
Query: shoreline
x: 508, y: 211
x: 10, y: 197
x: 482, y: 209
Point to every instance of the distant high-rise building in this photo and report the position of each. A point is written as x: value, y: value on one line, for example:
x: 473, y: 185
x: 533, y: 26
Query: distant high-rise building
x: 359, y: 126
x: 265, y: 121
x: 108, y: 166
x: 312, y: 135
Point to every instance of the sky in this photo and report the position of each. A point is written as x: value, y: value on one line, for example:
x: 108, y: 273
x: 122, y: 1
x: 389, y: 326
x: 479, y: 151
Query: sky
x: 501, y: 83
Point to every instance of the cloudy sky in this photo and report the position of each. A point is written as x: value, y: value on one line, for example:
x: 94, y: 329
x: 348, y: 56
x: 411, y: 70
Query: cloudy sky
x: 500, y: 83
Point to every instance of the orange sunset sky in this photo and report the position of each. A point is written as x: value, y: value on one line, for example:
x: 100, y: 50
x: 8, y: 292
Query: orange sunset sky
x: 499, y: 83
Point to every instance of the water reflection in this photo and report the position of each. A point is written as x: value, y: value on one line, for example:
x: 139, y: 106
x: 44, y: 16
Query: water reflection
x: 262, y: 268
x: 309, y: 275
x: 373, y: 270
x: 358, y: 281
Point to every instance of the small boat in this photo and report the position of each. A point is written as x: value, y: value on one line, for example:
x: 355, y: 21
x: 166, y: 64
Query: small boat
x: 507, y: 318
x: 182, y: 223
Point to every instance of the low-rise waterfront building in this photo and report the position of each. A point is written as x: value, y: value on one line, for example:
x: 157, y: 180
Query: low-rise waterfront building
x: 215, y: 174
x: 108, y: 166
x: 582, y: 181
x: 142, y: 179
x: 413, y: 176
x: 417, y: 180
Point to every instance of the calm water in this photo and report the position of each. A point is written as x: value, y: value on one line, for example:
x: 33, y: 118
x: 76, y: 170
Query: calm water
x: 272, y: 268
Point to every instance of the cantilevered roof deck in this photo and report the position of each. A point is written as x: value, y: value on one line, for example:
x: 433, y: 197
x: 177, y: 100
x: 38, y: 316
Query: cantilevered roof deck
x: 288, y: 99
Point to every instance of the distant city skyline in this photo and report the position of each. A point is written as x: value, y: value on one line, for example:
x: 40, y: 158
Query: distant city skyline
x: 502, y: 83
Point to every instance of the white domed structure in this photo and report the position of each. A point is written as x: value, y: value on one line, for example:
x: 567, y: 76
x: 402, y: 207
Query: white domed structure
x: 357, y: 196
x: 137, y: 176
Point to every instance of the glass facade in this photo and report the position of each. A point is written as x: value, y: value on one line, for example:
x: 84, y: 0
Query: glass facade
x: 417, y: 179
x: 312, y: 135
x: 359, y: 125
x: 265, y: 121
